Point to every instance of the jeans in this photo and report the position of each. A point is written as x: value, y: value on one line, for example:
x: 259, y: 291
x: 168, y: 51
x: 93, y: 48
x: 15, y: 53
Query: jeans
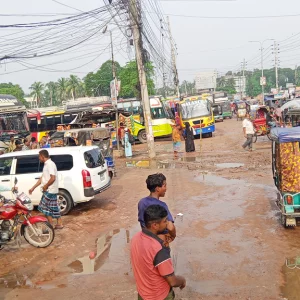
x: 248, y: 141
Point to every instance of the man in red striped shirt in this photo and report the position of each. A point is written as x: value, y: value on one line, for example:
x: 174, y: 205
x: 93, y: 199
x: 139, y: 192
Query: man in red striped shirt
x: 151, y: 260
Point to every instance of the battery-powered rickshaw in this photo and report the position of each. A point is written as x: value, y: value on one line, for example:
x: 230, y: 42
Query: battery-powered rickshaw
x: 286, y: 172
x: 226, y: 109
x: 93, y: 136
x: 218, y: 112
x: 261, y: 127
x: 240, y: 110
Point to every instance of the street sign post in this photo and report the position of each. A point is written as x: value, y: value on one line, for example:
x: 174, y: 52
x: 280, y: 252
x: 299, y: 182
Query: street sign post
x: 263, y: 81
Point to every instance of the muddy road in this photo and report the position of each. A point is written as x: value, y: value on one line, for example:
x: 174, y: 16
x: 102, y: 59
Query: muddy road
x: 230, y: 243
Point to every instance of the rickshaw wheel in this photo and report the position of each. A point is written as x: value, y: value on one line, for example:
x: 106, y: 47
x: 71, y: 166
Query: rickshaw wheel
x: 254, y: 139
x: 269, y: 136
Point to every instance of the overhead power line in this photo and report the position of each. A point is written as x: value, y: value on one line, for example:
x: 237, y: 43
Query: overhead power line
x: 233, y: 17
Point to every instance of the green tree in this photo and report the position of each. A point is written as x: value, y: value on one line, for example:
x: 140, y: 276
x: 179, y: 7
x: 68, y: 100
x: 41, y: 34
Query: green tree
x: 187, y: 86
x: 73, y: 85
x: 130, y: 84
x: 37, y: 91
x: 51, y: 89
x: 221, y: 82
x: 98, y: 84
x: 62, y: 87
x: 14, y: 90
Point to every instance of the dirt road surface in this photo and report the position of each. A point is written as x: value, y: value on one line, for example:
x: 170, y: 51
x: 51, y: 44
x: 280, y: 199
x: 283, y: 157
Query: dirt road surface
x: 230, y: 243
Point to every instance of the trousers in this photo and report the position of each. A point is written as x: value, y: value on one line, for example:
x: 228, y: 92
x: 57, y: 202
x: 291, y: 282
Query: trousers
x: 248, y: 142
x: 171, y: 296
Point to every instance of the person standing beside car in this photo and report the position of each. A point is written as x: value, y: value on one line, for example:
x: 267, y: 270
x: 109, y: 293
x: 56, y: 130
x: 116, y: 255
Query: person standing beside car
x: 49, y: 181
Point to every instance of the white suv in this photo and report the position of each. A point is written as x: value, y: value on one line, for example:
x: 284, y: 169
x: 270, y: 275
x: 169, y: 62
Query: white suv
x: 82, y: 173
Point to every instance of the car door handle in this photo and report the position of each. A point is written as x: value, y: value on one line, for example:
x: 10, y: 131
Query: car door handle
x: 5, y: 180
x: 37, y: 177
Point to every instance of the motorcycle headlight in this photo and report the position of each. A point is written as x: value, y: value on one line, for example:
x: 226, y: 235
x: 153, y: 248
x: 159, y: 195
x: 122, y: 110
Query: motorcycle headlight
x: 29, y: 206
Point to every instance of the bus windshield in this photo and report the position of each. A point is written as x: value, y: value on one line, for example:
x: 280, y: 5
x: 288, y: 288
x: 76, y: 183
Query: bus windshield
x: 158, y: 113
x: 195, y: 109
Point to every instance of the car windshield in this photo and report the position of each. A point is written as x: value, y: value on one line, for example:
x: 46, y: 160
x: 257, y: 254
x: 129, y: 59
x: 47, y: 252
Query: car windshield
x: 195, y: 109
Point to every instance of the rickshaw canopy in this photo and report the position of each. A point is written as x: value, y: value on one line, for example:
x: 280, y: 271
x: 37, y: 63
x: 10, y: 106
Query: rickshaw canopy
x: 98, y: 133
x: 285, y: 135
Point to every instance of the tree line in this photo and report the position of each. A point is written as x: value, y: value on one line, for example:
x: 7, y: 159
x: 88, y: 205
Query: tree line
x: 253, y: 87
x: 94, y: 84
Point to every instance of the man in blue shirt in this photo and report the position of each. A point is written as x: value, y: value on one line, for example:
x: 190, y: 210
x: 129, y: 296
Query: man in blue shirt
x: 157, y: 185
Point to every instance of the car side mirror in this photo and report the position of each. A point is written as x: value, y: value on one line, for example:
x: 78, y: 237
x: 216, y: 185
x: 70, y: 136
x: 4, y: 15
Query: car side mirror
x: 16, y: 180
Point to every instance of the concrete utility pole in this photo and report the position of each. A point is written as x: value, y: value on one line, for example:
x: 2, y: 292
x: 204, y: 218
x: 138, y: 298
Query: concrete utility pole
x: 176, y: 79
x: 163, y: 59
x: 135, y: 21
x: 115, y: 88
x: 243, y: 78
x: 296, y: 75
x: 276, y: 63
x: 262, y: 64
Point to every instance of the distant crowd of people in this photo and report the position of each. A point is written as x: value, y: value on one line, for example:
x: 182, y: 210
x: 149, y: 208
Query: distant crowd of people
x: 27, y: 144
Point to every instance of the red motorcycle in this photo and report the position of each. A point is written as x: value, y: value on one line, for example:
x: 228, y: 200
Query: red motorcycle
x: 35, y: 229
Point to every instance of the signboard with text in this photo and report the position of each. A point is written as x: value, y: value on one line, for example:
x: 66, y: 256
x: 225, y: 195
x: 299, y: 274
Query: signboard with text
x: 263, y: 80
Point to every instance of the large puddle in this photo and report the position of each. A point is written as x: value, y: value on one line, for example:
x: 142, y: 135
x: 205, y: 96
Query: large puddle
x: 112, y: 254
x: 218, y: 181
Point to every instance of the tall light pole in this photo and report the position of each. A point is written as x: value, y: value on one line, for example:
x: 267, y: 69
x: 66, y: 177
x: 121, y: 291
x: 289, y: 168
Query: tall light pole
x: 262, y: 64
x: 115, y: 91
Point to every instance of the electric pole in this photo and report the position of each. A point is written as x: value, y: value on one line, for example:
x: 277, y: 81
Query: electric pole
x: 163, y: 59
x: 176, y: 79
x: 276, y: 63
x: 296, y: 75
x: 136, y: 23
x: 243, y: 77
x: 115, y: 90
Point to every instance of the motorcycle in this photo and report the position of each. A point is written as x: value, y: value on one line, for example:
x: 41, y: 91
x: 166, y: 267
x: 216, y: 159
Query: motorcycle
x: 35, y: 229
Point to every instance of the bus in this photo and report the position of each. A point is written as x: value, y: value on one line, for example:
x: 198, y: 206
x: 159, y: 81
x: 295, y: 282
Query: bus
x: 198, y: 113
x: 132, y: 106
x: 13, y: 120
x: 46, y: 120
x: 161, y: 119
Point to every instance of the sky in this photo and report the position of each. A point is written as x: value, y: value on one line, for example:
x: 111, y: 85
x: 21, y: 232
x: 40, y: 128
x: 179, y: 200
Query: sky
x: 216, y: 38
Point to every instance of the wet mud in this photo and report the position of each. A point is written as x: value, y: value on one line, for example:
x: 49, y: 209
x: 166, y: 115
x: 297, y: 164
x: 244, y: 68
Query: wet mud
x: 230, y: 243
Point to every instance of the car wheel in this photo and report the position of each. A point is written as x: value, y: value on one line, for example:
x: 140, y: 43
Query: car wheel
x: 142, y: 136
x: 65, y: 202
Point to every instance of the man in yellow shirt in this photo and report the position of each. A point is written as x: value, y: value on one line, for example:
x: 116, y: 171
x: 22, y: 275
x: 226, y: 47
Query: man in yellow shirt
x: 11, y: 145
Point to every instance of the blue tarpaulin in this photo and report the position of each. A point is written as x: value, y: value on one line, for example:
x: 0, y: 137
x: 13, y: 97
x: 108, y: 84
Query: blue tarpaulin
x: 285, y: 135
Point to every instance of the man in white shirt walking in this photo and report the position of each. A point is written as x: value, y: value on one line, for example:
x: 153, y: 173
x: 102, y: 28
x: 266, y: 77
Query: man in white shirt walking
x: 248, y: 130
x: 49, y: 180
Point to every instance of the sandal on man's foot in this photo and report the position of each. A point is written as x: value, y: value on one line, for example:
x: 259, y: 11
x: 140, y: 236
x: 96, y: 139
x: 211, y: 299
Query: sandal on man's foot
x: 59, y: 227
